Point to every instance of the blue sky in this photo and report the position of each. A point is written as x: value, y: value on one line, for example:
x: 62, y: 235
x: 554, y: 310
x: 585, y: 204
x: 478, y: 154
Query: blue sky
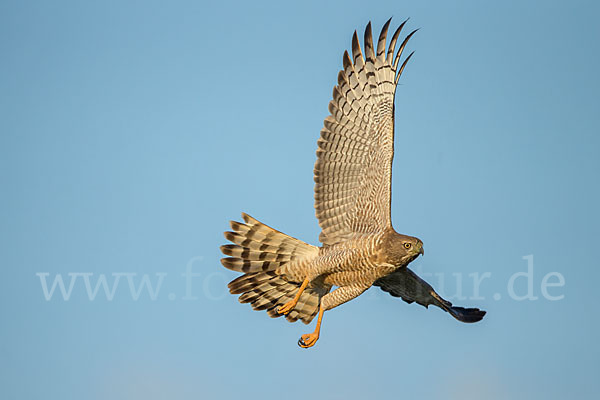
x: 131, y: 132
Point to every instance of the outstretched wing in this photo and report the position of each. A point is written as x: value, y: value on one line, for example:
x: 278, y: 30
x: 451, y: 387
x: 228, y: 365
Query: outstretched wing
x: 355, y: 151
x: 406, y: 284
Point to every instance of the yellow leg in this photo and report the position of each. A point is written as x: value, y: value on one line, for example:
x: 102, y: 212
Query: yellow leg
x: 289, y: 306
x: 310, y: 339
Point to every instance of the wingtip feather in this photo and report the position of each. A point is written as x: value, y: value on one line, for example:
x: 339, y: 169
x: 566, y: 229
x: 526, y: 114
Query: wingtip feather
x: 382, y: 39
x: 467, y: 315
x: 369, y: 42
x: 392, y: 47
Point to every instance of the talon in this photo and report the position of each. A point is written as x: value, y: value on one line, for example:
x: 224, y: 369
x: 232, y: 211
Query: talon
x: 289, y: 306
x: 308, y: 340
x: 286, y: 308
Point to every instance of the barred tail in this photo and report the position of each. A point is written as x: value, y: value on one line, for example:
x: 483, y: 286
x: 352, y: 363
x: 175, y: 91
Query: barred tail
x: 258, y: 251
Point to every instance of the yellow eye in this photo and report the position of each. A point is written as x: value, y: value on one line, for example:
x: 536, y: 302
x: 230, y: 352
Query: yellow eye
x: 407, y: 245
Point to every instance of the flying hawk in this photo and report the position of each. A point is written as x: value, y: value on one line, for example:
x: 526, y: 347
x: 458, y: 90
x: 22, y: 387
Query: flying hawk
x: 360, y: 248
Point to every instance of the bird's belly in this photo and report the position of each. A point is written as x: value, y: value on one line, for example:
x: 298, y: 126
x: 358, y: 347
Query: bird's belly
x: 365, y: 275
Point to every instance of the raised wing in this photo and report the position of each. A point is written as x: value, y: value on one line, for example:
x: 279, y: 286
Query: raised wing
x: 355, y: 151
x: 406, y: 284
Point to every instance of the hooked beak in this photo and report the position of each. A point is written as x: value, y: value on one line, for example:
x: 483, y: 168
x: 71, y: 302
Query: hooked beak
x: 422, y: 250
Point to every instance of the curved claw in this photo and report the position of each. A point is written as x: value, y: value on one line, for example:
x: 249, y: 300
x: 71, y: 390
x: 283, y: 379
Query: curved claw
x: 286, y: 308
x: 308, y: 340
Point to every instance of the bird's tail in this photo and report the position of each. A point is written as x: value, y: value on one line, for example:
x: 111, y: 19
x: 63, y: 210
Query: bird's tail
x: 258, y: 251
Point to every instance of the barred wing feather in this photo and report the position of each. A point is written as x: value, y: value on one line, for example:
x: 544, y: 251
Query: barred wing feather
x: 356, y: 147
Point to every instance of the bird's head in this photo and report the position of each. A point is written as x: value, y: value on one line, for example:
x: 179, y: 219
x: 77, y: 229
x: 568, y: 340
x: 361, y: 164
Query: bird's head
x: 400, y: 250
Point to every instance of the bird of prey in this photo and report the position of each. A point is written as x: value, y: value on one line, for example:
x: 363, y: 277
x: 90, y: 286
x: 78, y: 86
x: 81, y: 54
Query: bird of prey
x: 360, y: 248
